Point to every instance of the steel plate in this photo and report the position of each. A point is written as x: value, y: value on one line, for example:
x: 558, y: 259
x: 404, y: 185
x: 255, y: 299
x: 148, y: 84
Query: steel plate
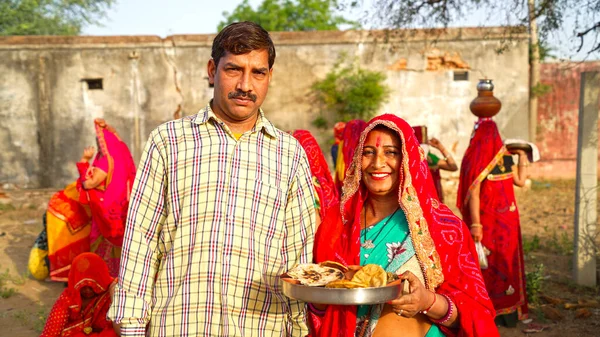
x: 519, y: 146
x: 340, y: 296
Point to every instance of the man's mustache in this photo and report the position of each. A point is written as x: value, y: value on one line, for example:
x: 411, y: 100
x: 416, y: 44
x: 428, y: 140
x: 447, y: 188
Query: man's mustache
x: 243, y: 94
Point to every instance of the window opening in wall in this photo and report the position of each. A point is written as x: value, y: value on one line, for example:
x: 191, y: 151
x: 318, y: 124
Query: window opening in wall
x: 93, y: 83
x: 461, y: 75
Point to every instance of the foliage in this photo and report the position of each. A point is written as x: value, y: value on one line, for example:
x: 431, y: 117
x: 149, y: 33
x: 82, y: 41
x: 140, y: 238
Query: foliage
x: 531, y: 245
x: 544, y: 50
x: 540, y: 89
x: 535, y: 281
x: 7, y: 207
x: 551, y: 15
x: 5, y: 291
x: 289, y: 15
x: 351, y: 92
x: 559, y: 244
x: 50, y: 17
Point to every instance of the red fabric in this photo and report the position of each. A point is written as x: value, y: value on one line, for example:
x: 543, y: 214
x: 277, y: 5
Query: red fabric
x: 338, y: 131
x: 463, y: 282
x: 67, y: 317
x: 499, y: 216
x: 66, y: 247
x: 421, y: 134
x: 350, y: 137
x: 485, y: 144
x: 437, y: 182
x: 328, y: 195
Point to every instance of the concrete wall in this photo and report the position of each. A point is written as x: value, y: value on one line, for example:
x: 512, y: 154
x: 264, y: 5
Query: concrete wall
x: 47, y: 109
x: 558, y: 114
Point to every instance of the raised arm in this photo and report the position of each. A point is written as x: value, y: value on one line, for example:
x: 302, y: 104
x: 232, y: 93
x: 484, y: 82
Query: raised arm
x: 447, y: 162
x: 131, y: 305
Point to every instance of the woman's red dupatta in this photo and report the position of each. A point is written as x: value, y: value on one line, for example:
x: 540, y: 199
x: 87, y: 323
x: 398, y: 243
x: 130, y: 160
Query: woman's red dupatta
x: 67, y: 317
x: 484, y: 147
x: 445, y: 248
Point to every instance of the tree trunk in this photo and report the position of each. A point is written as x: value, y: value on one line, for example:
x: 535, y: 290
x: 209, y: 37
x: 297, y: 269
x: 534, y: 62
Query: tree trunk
x: 534, y: 71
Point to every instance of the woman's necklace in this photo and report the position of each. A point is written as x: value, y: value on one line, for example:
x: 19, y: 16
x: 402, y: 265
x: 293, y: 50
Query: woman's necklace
x: 368, y: 244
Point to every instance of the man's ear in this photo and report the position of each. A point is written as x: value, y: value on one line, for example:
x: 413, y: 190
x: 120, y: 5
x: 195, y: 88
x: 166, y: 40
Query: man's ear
x: 211, y: 69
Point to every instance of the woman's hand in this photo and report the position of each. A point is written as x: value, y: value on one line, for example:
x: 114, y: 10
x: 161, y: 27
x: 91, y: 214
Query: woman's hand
x: 435, y: 143
x: 88, y: 153
x: 352, y: 269
x: 419, y: 298
x: 477, y: 233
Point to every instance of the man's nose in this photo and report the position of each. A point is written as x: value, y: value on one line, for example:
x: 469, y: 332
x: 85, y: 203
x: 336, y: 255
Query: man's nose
x: 244, y: 83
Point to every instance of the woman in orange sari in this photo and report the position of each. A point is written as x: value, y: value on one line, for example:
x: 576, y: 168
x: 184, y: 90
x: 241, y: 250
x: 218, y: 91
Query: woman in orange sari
x: 106, y: 185
x: 81, y: 308
x: 65, y: 235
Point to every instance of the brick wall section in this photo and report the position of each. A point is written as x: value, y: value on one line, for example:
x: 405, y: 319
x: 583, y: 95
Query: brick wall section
x: 558, y: 113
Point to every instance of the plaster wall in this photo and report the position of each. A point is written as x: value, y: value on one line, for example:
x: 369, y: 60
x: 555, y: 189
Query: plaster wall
x: 47, y: 107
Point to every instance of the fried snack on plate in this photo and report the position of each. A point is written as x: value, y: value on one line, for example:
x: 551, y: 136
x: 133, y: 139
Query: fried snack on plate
x: 314, y: 275
x: 345, y: 284
x: 333, y: 264
x: 372, y: 275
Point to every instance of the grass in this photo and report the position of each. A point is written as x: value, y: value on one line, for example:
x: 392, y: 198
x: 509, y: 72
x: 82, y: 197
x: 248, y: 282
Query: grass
x: 5, y: 290
x: 7, y: 207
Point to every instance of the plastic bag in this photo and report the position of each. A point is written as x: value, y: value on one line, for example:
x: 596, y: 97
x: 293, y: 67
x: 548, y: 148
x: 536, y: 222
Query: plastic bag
x: 481, y: 254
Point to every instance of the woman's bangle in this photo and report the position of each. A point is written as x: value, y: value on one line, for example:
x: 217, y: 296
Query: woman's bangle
x: 316, y: 311
x: 424, y: 312
x: 448, y: 313
x: 477, y: 225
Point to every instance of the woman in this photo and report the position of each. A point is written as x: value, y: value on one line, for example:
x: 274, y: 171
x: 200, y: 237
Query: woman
x: 436, y: 164
x: 81, y: 308
x: 105, y: 185
x: 346, y: 149
x: 391, y: 216
x: 327, y: 195
x: 487, y: 202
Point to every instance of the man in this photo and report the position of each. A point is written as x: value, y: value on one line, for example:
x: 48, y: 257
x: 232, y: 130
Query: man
x: 222, y: 204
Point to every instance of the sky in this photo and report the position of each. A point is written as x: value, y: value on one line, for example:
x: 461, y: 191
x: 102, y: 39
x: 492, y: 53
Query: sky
x: 173, y: 17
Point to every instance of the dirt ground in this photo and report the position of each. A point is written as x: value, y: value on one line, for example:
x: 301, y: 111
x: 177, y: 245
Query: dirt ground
x: 547, y: 212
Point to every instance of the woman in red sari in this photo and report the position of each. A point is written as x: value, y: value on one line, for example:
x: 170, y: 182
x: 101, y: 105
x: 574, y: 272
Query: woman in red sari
x: 106, y: 185
x: 487, y: 202
x: 81, y: 308
x: 387, y: 190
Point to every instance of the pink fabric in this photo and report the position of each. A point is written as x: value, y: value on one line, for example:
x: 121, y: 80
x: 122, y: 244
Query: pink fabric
x: 109, y: 201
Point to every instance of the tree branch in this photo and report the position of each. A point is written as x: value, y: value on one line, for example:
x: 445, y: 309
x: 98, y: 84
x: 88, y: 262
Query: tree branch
x: 581, y: 35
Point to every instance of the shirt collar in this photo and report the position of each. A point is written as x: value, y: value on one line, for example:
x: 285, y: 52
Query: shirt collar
x: 262, y: 123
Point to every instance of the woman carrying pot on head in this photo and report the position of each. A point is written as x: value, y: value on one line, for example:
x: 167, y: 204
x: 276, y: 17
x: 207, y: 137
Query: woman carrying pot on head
x: 391, y: 216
